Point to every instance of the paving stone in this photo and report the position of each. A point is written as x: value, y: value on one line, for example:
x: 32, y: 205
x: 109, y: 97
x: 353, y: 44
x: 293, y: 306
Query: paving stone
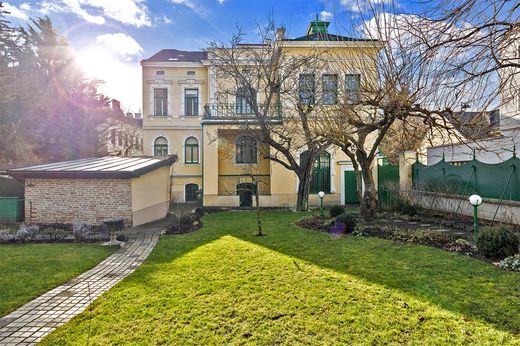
x: 31, y: 322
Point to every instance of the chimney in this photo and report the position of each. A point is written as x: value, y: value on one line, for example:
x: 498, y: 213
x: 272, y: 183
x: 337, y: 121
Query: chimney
x: 280, y: 34
x: 116, y: 105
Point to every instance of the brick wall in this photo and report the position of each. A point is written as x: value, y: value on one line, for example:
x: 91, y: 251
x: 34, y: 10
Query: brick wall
x: 74, y: 200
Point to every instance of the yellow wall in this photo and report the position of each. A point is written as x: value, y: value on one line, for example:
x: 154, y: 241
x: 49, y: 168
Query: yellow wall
x: 150, y: 196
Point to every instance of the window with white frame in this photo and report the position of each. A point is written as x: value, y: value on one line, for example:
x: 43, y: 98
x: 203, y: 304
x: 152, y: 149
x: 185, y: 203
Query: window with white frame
x: 160, y: 97
x: 307, y: 89
x: 329, y: 89
x: 191, y: 102
x: 352, y: 87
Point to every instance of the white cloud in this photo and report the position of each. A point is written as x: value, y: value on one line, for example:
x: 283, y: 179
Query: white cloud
x: 130, y: 12
x: 123, y: 45
x: 15, y: 11
x: 25, y: 6
x: 163, y: 20
x: 364, y: 5
x: 221, y: 2
x: 194, y: 6
x: 326, y: 15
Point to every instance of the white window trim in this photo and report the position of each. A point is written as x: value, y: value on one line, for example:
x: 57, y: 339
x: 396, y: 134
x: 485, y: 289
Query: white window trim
x: 160, y: 84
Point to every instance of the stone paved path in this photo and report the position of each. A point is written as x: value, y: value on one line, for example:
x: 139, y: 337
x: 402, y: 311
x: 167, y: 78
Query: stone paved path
x: 31, y: 322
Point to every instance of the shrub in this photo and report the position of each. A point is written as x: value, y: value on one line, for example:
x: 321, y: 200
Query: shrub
x: 315, y: 222
x: 27, y: 232
x: 462, y: 246
x: 497, y: 242
x: 6, y: 237
x: 81, y: 230
x: 511, y: 263
x: 55, y: 234
x: 185, y: 222
x: 426, y: 237
x: 199, y: 212
x: 336, y: 210
x: 349, y: 220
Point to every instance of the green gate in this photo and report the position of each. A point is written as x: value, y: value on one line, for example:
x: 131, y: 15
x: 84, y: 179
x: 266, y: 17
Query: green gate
x: 386, y: 174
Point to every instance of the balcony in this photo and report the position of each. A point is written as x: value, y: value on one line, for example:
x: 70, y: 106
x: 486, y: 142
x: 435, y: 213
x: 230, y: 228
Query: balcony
x: 238, y: 112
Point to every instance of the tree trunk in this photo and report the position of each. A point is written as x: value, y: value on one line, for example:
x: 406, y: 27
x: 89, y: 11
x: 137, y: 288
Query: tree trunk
x: 304, y: 184
x: 258, y: 219
x: 369, y: 200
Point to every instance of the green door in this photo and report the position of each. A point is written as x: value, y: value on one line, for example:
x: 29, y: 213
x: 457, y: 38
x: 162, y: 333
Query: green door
x: 351, y: 196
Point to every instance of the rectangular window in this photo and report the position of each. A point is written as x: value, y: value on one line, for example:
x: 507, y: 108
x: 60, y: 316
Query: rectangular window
x: 161, y: 102
x: 330, y: 89
x: 191, y: 102
x: 113, y: 136
x: 307, y: 89
x: 352, y: 87
x: 244, y: 99
x: 159, y: 73
x: 190, y: 73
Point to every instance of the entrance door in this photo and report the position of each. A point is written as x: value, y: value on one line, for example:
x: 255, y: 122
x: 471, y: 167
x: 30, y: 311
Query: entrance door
x: 351, y: 196
x: 245, y: 191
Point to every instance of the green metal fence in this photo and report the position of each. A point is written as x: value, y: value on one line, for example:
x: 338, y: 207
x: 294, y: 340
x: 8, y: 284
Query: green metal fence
x: 499, y: 181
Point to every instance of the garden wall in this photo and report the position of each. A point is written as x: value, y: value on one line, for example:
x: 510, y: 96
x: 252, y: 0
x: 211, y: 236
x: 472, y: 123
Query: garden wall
x: 508, y: 211
x: 75, y: 200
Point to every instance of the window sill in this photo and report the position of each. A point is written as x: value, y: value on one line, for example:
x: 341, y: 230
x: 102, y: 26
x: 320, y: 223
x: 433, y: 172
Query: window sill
x: 192, y: 163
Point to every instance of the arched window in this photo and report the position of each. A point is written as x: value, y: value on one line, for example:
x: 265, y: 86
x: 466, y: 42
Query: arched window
x: 320, y: 173
x: 246, y: 151
x: 191, y: 150
x: 190, y: 192
x: 160, y: 147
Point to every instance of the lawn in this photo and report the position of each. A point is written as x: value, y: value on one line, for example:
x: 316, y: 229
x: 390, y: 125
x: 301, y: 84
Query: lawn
x: 27, y: 271
x: 224, y: 285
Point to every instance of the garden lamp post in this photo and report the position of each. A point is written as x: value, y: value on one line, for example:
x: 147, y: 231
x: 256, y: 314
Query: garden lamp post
x: 321, y: 194
x: 475, y: 201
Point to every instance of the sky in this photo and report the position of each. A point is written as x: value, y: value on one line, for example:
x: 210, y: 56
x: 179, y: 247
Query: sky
x: 111, y: 37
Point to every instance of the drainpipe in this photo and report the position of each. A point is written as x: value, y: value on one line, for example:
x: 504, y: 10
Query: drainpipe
x: 202, y: 165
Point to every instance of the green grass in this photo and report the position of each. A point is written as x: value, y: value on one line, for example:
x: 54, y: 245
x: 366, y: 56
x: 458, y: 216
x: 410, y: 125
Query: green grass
x: 27, y: 271
x: 224, y: 285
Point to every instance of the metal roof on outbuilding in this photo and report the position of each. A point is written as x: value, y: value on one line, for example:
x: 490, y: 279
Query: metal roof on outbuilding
x: 94, y: 168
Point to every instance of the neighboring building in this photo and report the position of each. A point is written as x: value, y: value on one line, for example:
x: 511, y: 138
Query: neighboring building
x: 184, y: 115
x: 90, y: 190
x: 121, y: 134
x: 499, y: 142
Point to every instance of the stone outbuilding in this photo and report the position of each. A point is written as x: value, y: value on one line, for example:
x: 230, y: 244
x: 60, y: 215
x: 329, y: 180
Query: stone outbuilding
x: 93, y: 189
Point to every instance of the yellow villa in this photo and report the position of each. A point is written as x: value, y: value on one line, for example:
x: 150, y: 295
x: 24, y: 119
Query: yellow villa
x: 183, y: 116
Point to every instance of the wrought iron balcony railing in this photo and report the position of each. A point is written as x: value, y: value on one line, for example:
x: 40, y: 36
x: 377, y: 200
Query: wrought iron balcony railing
x: 238, y: 111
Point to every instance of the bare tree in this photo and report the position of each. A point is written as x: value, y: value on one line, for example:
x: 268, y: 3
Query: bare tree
x: 389, y: 80
x: 264, y: 77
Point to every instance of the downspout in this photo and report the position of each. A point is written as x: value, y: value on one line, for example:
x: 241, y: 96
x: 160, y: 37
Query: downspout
x: 202, y: 158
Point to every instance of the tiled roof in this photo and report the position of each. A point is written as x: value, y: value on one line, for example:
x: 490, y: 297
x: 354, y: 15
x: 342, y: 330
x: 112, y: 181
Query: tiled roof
x: 175, y: 55
x: 327, y: 37
x: 94, y: 168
